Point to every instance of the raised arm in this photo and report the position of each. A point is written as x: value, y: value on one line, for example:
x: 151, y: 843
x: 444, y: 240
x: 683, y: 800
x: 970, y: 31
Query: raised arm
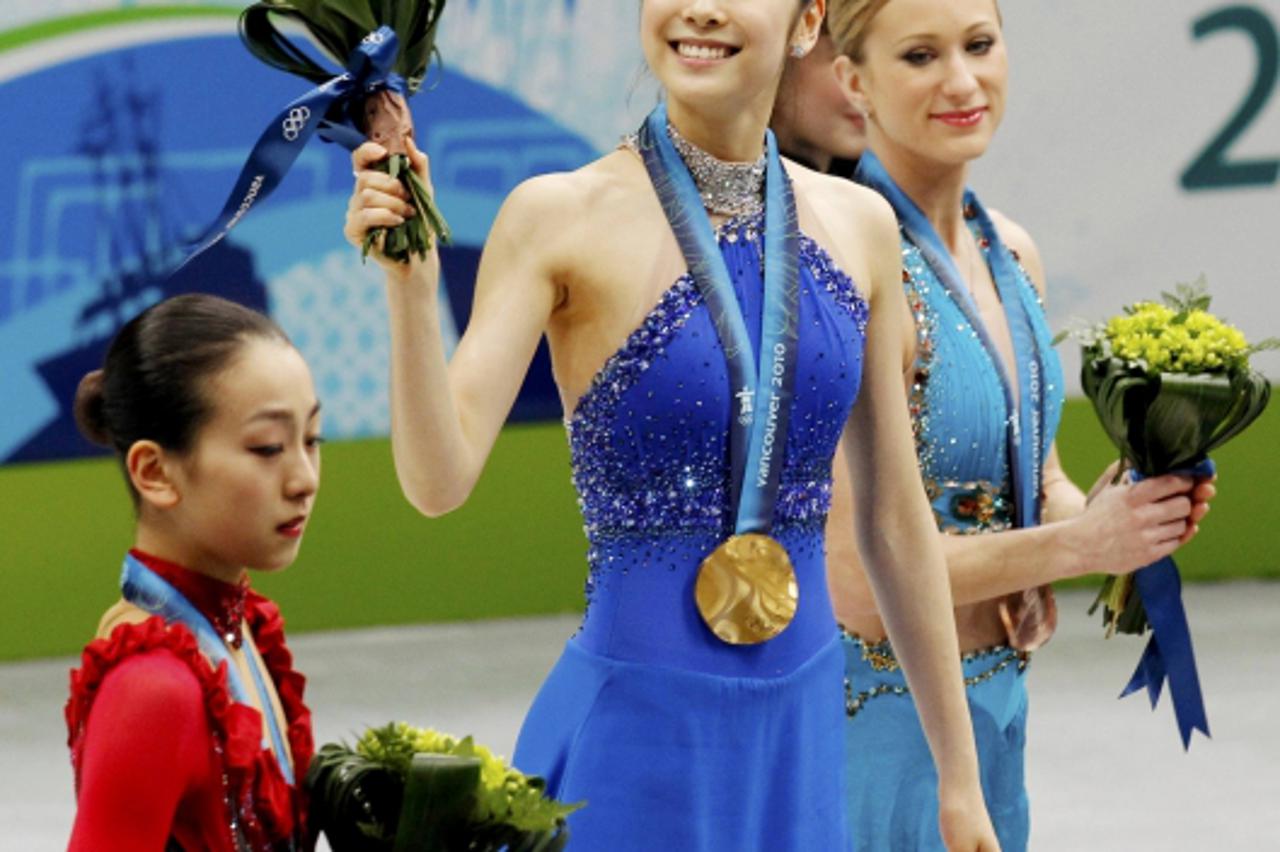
x: 445, y: 417
x: 900, y: 549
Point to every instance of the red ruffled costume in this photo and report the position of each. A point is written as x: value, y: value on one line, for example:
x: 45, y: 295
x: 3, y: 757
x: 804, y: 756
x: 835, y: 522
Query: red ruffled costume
x: 161, y: 751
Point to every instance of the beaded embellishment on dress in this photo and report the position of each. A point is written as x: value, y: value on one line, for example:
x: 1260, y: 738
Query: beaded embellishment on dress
x: 648, y: 444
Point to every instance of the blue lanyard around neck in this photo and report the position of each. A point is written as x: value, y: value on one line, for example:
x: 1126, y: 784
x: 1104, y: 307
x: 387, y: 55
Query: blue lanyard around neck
x: 1026, y: 452
x: 763, y: 387
x: 147, y: 590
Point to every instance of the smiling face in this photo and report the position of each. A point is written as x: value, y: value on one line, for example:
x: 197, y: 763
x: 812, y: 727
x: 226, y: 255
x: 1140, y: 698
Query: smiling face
x: 932, y: 76
x: 724, y: 55
x: 246, y: 487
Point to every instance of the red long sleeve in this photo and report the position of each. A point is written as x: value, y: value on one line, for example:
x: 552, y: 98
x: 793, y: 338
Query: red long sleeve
x: 148, y: 771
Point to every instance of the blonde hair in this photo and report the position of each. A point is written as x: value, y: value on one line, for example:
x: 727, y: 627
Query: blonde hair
x: 849, y: 20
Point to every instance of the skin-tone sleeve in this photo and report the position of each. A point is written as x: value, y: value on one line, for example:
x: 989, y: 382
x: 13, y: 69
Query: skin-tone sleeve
x: 146, y: 739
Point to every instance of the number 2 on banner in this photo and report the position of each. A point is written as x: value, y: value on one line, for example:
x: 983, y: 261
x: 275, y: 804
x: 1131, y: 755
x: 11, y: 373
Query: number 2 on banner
x: 1211, y: 169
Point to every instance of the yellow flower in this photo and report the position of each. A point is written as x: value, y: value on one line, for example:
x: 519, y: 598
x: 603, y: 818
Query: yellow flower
x: 1162, y: 339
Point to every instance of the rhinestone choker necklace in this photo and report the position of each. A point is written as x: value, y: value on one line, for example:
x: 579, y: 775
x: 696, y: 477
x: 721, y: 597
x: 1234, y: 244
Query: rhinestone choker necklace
x: 730, y: 189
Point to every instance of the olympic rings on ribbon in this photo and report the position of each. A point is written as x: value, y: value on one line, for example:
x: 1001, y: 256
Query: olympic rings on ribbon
x: 294, y: 122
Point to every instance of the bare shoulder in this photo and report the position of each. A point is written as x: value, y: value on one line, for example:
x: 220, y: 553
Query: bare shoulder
x: 836, y: 195
x: 854, y: 224
x: 554, y: 209
x: 1019, y: 241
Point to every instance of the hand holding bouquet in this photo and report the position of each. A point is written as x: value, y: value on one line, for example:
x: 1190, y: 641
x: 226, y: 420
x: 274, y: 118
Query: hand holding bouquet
x: 380, y: 111
x: 386, y: 46
x: 406, y: 788
x: 1170, y: 382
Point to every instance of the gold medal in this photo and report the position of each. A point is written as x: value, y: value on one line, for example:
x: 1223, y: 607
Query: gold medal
x: 746, y: 589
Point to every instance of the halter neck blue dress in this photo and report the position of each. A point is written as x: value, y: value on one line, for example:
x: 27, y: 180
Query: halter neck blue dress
x: 960, y: 418
x: 673, y: 738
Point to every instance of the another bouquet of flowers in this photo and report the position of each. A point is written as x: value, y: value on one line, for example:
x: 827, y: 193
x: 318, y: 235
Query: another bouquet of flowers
x: 1170, y: 382
x: 403, y: 788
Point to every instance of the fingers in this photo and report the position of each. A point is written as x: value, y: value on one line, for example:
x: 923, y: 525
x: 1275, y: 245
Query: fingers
x: 1170, y: 534
x: 420, y: 163
x: 380, y: 181
x: 1204, y: 491
x: 366, y: 155
x: 1160, y: 487
x: 360, y: 221
x: 378, y: 200
x: 1192, y: 530
x: 365, y: 199
x: 1172, y: 509
x: 416, y: 157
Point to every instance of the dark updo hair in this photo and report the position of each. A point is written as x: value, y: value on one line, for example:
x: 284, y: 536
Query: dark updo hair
x: 152, y: 382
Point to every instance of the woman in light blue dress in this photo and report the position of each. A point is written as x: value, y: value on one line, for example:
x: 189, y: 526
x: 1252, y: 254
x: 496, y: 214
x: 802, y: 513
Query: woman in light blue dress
x: 657, y: 273
x: 985, y: 393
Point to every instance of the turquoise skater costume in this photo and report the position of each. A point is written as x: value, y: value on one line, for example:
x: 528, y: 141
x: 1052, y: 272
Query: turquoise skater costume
x: 981, y: 458
x: 675, y: 739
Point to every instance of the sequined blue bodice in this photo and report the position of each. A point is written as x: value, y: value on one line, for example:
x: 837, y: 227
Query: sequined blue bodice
x: 959, y: 412
x: 649, y: 444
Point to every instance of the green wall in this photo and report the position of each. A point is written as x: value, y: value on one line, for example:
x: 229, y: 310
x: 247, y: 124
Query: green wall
x: 516, y: 548
x: 368, y: 558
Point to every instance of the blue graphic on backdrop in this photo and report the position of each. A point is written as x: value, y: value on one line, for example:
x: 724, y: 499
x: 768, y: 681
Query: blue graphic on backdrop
x: 136, y: 154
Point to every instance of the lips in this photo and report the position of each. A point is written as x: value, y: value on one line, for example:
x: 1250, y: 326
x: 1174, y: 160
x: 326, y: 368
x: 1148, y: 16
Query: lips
x: 961, y: 118
x: 293, y: 528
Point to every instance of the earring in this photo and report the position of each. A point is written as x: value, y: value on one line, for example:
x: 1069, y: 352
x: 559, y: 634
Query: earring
x: 798, y: 51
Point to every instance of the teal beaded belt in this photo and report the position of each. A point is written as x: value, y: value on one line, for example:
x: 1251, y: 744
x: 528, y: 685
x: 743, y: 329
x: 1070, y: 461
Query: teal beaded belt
x: 877, y: 671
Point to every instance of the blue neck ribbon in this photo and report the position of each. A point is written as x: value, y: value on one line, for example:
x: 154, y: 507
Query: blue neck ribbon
x: 1169, y: 654
x: 147, y: 590
x: 325, y: 109
x: 1026, y: 452
x: 762, y: 387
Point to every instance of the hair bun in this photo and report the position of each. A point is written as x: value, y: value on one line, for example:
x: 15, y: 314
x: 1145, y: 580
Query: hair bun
x: 89, y: 409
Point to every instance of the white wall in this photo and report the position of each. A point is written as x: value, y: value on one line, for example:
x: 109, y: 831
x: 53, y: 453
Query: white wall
x: 1110, y: 101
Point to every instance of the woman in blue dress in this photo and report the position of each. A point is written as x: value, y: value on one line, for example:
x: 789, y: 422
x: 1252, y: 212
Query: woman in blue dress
x: 698, y: 706
x: 985, y: 393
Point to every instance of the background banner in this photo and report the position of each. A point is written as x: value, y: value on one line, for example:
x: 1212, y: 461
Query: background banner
x: 126, y: 127
x: 1141, y: 147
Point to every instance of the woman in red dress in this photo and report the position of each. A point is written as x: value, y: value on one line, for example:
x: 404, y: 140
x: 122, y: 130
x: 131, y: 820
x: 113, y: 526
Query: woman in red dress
x: 186, y: 721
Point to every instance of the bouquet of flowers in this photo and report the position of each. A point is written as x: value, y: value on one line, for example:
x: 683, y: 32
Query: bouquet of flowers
x: 377, y: 108
x: 1170, y: 382
x: 404, y: 788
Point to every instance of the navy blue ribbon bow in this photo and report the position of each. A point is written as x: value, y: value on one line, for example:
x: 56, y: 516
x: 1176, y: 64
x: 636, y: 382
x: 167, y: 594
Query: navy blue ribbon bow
x: 1169, y: 655
x: 326, y: 109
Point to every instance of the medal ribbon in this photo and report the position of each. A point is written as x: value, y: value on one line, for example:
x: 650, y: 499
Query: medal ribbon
x: 762, y: 387
x: 1026, y: 452
x: 326, y: 110
x: 147, y: 590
